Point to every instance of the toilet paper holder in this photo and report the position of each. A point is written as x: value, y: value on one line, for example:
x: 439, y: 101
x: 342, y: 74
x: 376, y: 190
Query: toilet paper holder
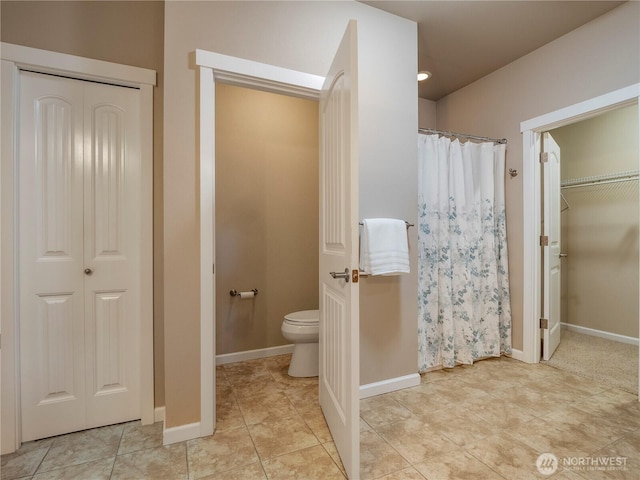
x: 236, y: 293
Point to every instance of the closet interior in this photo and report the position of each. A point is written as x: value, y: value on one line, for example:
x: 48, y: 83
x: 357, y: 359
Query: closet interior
x: 599, y: 231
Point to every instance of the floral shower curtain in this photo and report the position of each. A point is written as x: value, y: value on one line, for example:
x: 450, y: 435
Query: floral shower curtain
x: 464, y: 311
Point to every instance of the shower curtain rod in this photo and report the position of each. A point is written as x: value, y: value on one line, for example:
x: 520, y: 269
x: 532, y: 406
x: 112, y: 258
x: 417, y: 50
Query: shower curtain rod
x: 463, y: 135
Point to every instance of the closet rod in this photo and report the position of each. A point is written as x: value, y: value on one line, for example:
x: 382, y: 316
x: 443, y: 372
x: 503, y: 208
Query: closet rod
x: 463, y: 135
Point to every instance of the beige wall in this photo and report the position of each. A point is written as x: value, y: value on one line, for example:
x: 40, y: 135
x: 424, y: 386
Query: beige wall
x: 601, y: 145
x: 266, y: 214
x: 130, y: 33
x: 302, y: 36
x: 388, y: 118
x: 599, y: 57
x: 426, y: 113
x: 600, y: 229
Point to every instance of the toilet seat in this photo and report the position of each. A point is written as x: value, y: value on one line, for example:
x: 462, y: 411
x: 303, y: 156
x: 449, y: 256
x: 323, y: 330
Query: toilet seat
x: 303, y: 318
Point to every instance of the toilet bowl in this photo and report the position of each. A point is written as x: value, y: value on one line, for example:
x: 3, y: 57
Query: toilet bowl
x: 301, y: 328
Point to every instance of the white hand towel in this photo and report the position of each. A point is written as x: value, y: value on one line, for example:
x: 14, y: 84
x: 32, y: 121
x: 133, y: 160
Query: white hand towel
x: 384, y: 247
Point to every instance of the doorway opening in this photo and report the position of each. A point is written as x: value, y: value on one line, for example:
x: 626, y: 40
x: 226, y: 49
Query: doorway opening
x: 598, y: 210
x: 266, y: 231
x: 216, y: 68
x: 338, y: 167
x: 533, y: 295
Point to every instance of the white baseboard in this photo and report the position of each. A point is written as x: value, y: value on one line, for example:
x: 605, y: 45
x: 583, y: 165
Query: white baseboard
x: 253, y: 354
x: 517, y: 354
x: 181, y: 433
x: 390, y: 385
x: 600, y: 333
x: 158, y: 414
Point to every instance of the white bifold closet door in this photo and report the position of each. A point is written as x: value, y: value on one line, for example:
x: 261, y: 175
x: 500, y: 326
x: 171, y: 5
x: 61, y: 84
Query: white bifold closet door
x: 79, y: 240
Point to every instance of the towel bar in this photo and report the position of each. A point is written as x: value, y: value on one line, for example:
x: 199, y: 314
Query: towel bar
x: 408, y: 224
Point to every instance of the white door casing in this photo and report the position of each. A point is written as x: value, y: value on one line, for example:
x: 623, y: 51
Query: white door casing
x: 79, y: 254
x: 14, y: 60
x: 339, y: 297
x: 551, y: 251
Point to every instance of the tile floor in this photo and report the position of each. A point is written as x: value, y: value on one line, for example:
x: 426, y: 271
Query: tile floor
x: 488, y: 421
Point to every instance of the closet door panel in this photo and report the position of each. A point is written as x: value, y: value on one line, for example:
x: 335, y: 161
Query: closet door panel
x: 112, y: 244
x: 51, y: 256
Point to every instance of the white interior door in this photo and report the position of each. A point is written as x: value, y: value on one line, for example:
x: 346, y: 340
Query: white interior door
x: 79, y: 237
x: 551, y: 251
x: 339, y: 308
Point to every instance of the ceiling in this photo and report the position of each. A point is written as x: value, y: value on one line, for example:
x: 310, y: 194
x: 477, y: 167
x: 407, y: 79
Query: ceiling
x: 462, y: 41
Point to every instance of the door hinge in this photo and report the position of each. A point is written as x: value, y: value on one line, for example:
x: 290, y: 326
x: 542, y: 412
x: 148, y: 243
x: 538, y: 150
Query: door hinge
x: 213, y: 269
x: 544, y: 157
x: 544, y: 241
x: 544, y: 323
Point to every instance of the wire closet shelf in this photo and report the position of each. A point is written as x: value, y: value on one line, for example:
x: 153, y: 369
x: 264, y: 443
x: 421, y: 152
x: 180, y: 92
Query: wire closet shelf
x: 601, y: 179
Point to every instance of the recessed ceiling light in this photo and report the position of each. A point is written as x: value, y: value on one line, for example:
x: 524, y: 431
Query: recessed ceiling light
x: 423, y: 75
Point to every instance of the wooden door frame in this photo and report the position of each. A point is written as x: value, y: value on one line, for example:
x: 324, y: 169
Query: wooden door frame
x: 211, y: 68
x: 15, y: 58
x: 531, y: 184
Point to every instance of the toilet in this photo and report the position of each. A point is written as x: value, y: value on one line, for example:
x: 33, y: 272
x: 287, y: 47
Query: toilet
x: 301, y: 328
